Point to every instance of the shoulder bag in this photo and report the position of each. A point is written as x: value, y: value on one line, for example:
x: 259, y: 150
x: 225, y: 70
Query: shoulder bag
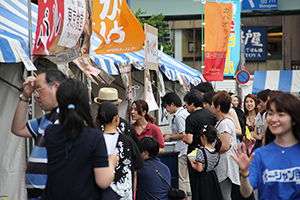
x: 173, y: 193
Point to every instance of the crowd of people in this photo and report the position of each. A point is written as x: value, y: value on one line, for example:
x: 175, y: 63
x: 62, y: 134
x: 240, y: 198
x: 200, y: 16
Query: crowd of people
x: 241, y: 146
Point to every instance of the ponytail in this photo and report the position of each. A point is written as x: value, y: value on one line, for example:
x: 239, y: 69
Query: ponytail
x: 149, y: 118
x: 218, y: 145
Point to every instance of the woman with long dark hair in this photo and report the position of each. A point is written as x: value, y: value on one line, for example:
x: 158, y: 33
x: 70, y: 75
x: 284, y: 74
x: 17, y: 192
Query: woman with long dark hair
x: 143, y: 124
x: 130, y: 160
x: 274, y: 168
x: 77, y: 157
x: 250, y: 109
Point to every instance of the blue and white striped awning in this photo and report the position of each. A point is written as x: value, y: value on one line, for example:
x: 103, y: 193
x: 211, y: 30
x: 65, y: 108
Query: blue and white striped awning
x: 14, y: 28
x: 286, y: 80
x: 171, y: 67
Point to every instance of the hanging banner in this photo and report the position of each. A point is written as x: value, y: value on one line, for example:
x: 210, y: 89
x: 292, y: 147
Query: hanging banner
x: 149, y: 94
x: 125, y: 71
x: 163, y: 114
x: 217, y: 30
x: 232, y: 60
x: 151, y: 47
x: 117, y: 27
x: 63, y: 24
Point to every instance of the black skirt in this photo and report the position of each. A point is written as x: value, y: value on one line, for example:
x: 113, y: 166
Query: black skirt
x: 206, y: 186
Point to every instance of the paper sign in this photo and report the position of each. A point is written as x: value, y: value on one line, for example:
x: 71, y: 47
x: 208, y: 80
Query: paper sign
x: 73, y: 22
x: 125, y: 71
x: 85, y: 68
x: 151, y: 47
x: 103, y: 76
x: 149, y: 94
x: 24, y: 57
x: 163, y: 114
x: 64, y: 68
x: 65, y: 56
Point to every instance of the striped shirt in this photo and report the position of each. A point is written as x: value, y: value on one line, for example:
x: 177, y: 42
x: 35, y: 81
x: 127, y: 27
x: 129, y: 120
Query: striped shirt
x: 212, y: 159
x: 36, y: 172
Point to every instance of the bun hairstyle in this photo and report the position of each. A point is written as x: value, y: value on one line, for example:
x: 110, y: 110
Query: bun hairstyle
x: 211, y: 134
x: 73, y: 101
x: 106, y: 112
x: 141, y: 106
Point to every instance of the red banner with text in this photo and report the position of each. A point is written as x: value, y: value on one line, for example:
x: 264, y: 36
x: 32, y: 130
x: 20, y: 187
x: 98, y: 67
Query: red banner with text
x: 62, y: 25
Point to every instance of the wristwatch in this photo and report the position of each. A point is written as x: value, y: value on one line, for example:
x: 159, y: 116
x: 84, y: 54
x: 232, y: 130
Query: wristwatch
x: 24, y: 100
x: 171, y: 139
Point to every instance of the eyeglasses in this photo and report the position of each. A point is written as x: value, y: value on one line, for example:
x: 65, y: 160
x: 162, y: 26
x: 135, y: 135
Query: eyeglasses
x: 38, y: 90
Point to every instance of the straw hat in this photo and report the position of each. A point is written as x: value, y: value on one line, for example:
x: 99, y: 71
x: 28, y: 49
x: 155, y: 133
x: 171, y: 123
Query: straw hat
x: 108, y: 94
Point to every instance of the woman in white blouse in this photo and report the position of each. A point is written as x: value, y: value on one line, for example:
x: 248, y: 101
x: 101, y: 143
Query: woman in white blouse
x: 227, y: 169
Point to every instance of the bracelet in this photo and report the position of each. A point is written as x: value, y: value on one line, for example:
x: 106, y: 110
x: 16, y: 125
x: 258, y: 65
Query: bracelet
x: 245, y: 175
x: 24, y: 100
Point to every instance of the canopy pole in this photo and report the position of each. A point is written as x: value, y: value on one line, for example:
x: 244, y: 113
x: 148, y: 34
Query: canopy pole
x: 30, y: 142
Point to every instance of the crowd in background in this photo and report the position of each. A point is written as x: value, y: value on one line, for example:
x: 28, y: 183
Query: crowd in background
x: 242, y: 149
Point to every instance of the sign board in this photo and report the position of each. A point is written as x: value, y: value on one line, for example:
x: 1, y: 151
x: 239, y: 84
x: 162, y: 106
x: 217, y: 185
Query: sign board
x: 151, y: 47
x: 254, y: 39
x: 243, y: 77
x: 260, y: 4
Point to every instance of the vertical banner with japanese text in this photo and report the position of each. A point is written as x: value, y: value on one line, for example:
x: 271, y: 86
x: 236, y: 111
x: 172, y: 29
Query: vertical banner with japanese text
x: 151, y: 47
x: 217, y: 30
x: 232, y: 60
x: 125, y: 71
x: 63, y: 24
x: 117, y: 27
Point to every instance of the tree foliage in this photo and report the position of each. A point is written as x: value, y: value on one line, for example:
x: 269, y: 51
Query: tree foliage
x: 158, y: 22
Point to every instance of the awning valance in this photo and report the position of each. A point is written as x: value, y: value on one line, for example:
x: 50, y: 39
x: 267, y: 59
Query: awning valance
x: 285, y: 80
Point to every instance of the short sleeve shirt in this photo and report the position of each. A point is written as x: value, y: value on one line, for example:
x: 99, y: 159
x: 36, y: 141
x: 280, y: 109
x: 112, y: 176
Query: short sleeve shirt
x: 36, y: 172
x: 178, y: 126
x: 71, y: 163
x: 195, y: 123
x: 227, y: 167
x: 128, y: 129
x: 276, y: 175
x: 130, y: 160
x: 211, y: 156
x: 152, y: 130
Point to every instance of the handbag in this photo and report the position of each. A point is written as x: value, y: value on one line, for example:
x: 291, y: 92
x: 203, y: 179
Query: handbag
x: 172, y: 193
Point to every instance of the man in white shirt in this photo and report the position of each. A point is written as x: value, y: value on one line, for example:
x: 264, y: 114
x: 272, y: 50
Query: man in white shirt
x: 173, y: 105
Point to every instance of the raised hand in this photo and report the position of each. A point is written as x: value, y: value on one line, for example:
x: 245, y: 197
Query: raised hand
x: 28, y: 87
x: 242, y: 158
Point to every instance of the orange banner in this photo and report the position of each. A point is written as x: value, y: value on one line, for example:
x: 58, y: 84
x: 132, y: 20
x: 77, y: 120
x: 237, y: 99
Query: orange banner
x: 217, y: 30
x: 117, y: 27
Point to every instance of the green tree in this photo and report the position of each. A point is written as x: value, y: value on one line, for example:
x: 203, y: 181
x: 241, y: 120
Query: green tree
x: 158, y: 22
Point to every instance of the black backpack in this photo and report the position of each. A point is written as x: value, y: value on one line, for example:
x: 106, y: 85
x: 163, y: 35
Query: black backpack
x: 242, y: 120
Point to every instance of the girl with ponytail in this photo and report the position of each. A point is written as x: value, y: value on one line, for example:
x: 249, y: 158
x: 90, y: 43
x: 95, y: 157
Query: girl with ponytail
x: 77, y: 155
x: 207, y: 158
x: 143, y: 124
